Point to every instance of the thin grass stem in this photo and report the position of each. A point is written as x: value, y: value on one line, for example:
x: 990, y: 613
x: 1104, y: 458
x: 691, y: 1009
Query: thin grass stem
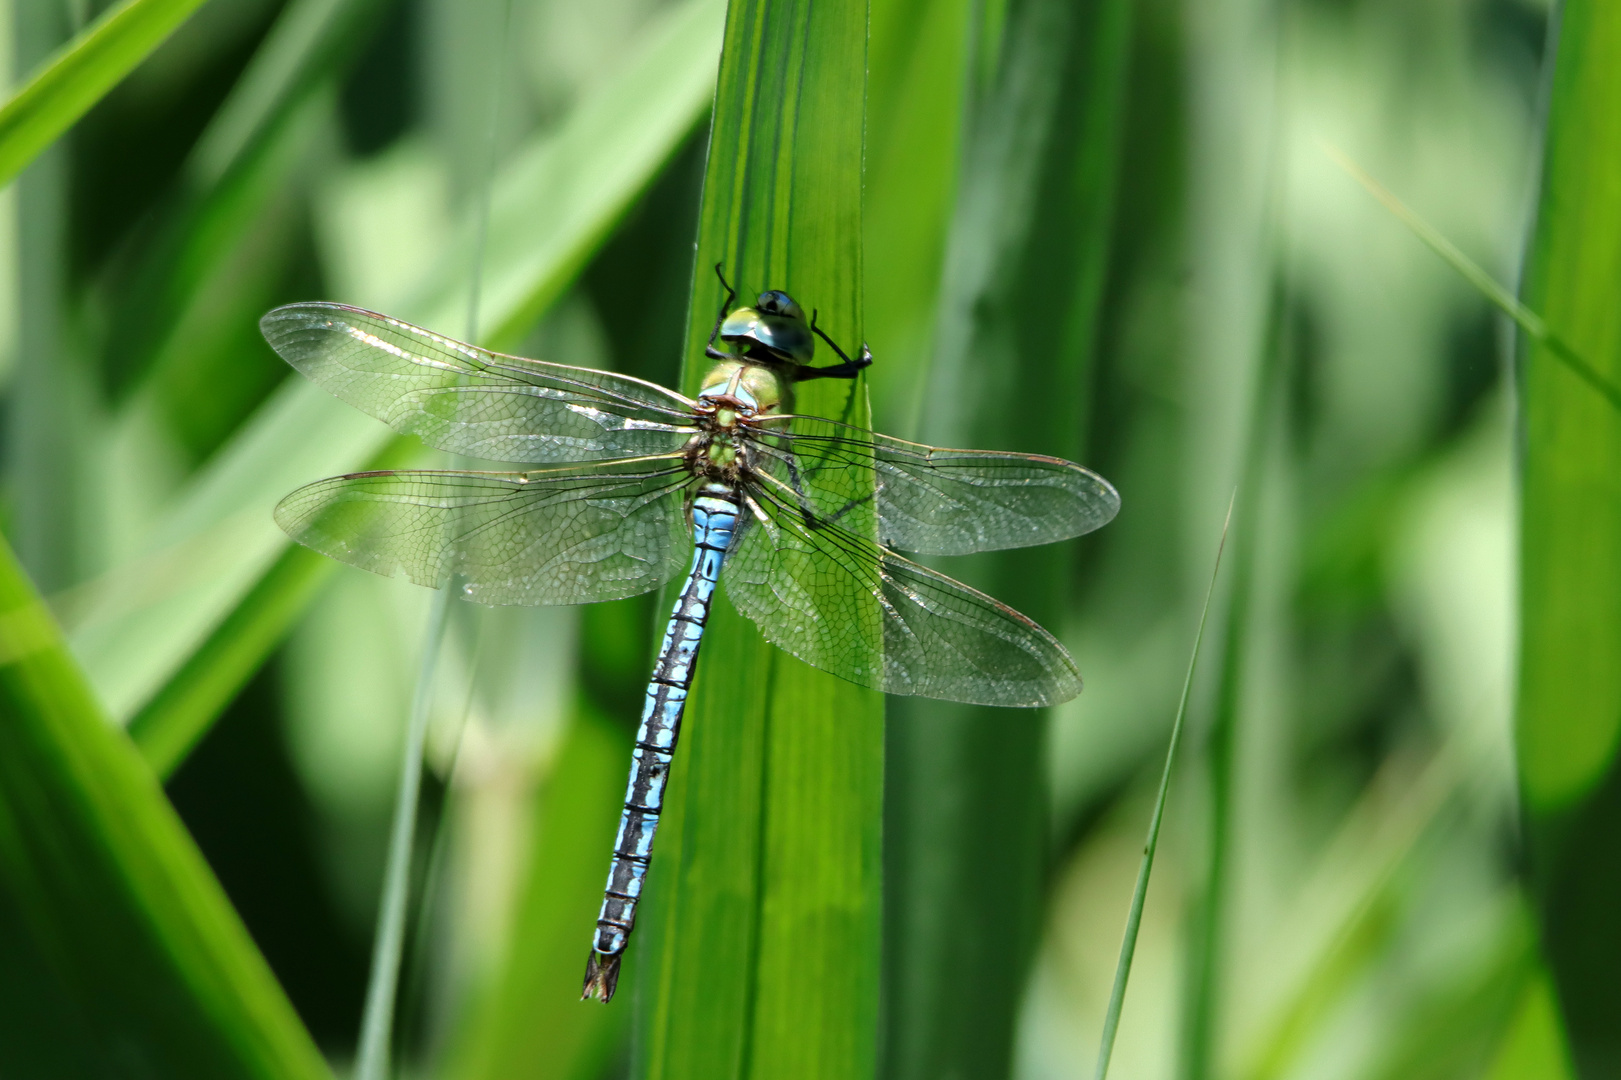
x: 377, y: 1023
x: 1529, y: 321
x: 1134, y: 916
x: 382, y: 991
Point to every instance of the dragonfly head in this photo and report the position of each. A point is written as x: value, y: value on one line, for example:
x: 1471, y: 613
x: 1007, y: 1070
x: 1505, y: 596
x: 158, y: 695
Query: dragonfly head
x: 773, y: 329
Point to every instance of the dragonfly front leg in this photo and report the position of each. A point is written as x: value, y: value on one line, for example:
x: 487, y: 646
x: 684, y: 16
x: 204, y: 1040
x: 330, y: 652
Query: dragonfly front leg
x: 720, y: 317
x: 714, y: 520
x: 847, y: 370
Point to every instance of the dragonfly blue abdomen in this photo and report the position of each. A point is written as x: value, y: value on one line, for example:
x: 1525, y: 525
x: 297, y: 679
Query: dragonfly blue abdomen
x: 714, y: 523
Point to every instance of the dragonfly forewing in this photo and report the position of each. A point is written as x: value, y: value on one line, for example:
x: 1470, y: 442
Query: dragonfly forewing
x: 469, y: 400
x: 934, y: 501
x: 573, y: 535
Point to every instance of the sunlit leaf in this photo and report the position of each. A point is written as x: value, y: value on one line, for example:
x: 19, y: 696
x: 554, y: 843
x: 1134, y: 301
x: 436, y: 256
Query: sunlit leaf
x: 74, y: 79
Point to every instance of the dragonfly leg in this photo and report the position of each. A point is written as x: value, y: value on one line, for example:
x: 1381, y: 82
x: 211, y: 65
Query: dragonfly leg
x: 847, y: 370
x: 720, y: 316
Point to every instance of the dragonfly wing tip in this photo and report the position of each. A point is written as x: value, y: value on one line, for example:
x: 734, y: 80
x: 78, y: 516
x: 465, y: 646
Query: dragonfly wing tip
x: 601, y: 977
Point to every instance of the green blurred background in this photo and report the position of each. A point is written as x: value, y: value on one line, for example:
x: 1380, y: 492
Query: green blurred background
x: 1106, y: 229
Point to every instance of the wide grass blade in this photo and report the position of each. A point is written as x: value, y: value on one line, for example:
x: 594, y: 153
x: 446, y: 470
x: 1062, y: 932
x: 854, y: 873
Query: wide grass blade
x: 1139, y: 892
x: 1013, y: 341
x: 552, y: 206
x: 1568, y: 722
x: 75, y: 78
x: 121, y: 954
x: 758, y: 950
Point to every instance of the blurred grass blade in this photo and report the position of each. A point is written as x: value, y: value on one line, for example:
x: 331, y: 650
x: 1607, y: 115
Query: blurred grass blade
x: 1134, y: 916
x: 1207, y: 958
x: 1450, y: 1030
x: 167, y: 726
x: 121, y: 953
x: 1533, y: 1045
x: 1342, y: 917
x: 967, y: 816
x: 758, y: 951
x: 531, y: 1024
x: 1568, y: 722
x: 249, y: 153
x: 1505, y: 301
x: 377, y: 1023
x: 918, y: 61
x: 372, y: 1059
x: 552, y: 207
x: 75, y: 78
x: 309, y: 43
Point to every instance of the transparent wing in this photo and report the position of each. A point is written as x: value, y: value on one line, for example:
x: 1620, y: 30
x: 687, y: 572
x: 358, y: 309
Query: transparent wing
x: 941, y: 502
x: 468, y: 400
x: 565, y: 536
x: 832, y: 597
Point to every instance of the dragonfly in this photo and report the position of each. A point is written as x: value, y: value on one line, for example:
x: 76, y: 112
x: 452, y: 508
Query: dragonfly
x: 634, y: 484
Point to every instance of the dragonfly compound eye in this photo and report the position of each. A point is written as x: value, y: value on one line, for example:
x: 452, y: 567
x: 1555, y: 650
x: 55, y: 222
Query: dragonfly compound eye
x: 777, y: 302
x: 776, y: 328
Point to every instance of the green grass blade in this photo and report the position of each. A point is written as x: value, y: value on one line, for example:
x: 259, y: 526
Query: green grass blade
x: 249, y: 154
x: 1568, y: 722
x: 1354, y: 898
x: 309, y: 43
x: 70, y: 82
x: 377, y: 1024
x: 168, y: 726
x: 758, y: 950
x: 917, y: 81
x: 114, y: 934
x: 967, y: 811
x: 143, y: 621
x: 50, y: 406
x: 1533, y: 1045
x: 1506, y: 302
x: 1208, y: 937
x: 1139, y: 892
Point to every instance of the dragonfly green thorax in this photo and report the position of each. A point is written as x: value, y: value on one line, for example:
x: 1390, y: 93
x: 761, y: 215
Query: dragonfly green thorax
x: 755, y: 389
